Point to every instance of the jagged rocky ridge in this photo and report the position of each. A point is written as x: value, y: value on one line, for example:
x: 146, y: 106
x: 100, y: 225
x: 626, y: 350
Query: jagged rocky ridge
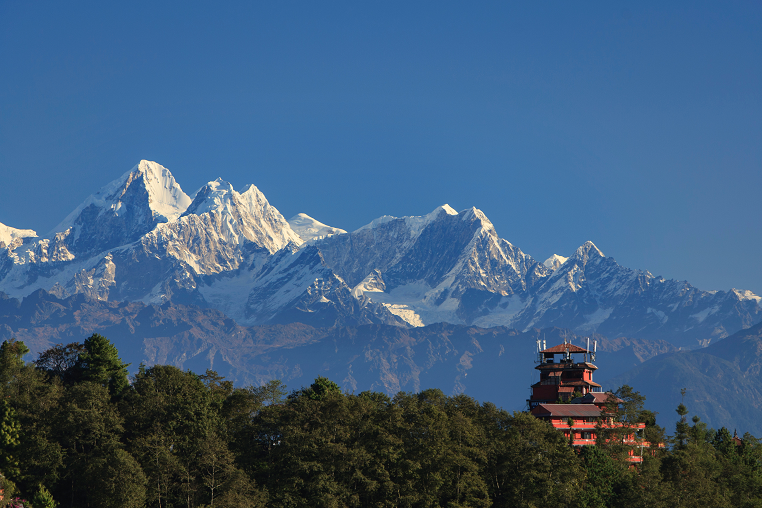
x: 141, y: 238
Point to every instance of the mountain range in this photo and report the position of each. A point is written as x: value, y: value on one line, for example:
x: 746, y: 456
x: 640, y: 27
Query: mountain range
x: 220, y: 278
x: 142, y: 238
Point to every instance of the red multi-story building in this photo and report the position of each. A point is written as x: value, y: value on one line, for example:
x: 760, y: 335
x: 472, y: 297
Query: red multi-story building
x: 567, y: 397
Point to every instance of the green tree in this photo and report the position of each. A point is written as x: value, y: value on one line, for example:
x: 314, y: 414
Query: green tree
x: 321, y: 388
x: 61, y: 361
x: 215, y: 464
x: 535, y: 463
x: 11, y: 361
x: 692, y: 470
x: 89, y: 428
x: 7, y: 489
x: 43, y: 499
x: 616, y: 432
x: 167, y: 414
x: 240, y: 492
x: 115, y: 480
x: 217, y: 388
x: 100, y: 363
x: 604, y: 478
x: 10, y: 429
x: 645, y: 488
x: 723, y: 442
x: 246, y: 431
x: 423, y: 427
x: 242, y: 405
x: 311, y: 453
x: 465, y: 484
x: 37, y: 401
x: 680, y: 439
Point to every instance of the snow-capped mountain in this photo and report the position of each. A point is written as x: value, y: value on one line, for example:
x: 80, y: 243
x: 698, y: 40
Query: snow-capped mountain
x: 311, y: 229
x: 554, y: 262
x: 141, y: 238
x: 133, y: 240
x: 592, y: 293
x: 238, y: 216
x: 452, y: 267
x: 123, y: 211
x: 11, y: 238
x: 437, y: 267
x: 299, y: 287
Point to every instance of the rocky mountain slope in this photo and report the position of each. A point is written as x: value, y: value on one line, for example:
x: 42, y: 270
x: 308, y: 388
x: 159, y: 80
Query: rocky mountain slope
x: 495, y: 364
x: 453, y: 267
x: 141, y: 238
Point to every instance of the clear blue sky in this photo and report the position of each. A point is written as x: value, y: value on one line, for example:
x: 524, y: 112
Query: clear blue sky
x: 635, y: 125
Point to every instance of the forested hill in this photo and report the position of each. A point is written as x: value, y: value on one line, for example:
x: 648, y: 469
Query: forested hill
x: 722, y: 381
x: 76, y: 432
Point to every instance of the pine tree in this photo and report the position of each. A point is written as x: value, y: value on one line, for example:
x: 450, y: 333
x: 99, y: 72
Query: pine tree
x: 43, y: 499
x: 100, y: 363
x: 680, y: 438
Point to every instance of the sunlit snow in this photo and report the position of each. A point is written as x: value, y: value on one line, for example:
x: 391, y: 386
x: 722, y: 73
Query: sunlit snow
x: 310, y: 229
x: 165, y: 197
x: 9, y: 234
x: 554, y: 261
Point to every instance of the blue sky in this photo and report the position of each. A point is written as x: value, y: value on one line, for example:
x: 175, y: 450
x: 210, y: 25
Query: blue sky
x: 638, y: 127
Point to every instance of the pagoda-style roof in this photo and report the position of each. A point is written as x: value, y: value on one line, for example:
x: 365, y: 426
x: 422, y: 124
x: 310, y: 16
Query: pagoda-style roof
x: 576, y: 382
x: 563, y: 348
x: 565, y: 366
x: 579, y: 382
x: 567, y: 410
x: 597, y: 398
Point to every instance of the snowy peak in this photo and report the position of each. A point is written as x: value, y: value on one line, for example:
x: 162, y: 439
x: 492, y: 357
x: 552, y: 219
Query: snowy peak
x: 554, y: 261
x: 247, y: 214
x: 311, y: 229
x: 447, y: 209
x: 418, y: 223
x: 474, y: 215
x: 165, y: 197
x: 215, y: 195
x: 376, y: 222
x: 745, y: 294
x: 415, y: 222
x: 122, y: 211
x: 587, y: 252
x: 148, y: 190
x: 141, y: 238
x: 257, y: 205
x: 270, y: 219
x: 9, y: 235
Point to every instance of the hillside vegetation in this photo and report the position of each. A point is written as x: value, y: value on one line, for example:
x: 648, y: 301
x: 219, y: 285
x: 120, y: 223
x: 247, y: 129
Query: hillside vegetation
x: 74, y: 431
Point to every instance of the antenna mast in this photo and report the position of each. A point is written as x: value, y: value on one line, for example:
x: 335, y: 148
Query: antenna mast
x: 587, y: 349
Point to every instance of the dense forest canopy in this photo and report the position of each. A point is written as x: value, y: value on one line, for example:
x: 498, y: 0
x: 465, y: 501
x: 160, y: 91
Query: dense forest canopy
x: 76, y: 432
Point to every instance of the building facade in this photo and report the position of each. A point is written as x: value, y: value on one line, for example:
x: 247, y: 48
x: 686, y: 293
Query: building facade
x: 567, y: 397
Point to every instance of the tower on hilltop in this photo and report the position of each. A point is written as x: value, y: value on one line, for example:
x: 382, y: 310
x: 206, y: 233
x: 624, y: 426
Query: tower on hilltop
x: 563, y: 379
x: 567, y: 397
